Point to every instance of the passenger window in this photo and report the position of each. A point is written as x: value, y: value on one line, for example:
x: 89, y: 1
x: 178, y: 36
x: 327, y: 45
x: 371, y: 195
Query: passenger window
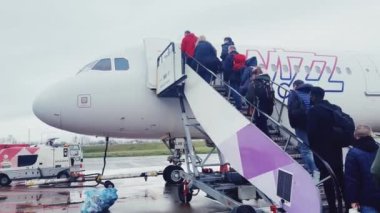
x: 121, y: 64
x: 307, y: 68
x: 274, y: 67
x: 26, y: 160
x: 348, y: 70
x: 103, y: 64
x: 296, y: 68
x: 338, y: 70
x: 285, y: 68
x: 328, y: 69
x: 318, y: 69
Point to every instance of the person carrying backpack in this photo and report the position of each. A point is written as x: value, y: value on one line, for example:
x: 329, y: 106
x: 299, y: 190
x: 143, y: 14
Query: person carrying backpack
x: 232, y: 67
x: 298, y: 107
x: 246, y: 75
x: 261, y: 95
x: 361, y: 191
x: 320, y: 123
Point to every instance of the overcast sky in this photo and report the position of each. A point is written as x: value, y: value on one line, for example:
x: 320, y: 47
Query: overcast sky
x: 44, y: 41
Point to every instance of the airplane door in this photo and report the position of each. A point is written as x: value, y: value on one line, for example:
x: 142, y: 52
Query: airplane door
x: 371, y: 75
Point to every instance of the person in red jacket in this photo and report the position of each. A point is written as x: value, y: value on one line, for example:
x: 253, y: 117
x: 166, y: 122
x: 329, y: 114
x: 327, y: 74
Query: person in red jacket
x: 188, y: 46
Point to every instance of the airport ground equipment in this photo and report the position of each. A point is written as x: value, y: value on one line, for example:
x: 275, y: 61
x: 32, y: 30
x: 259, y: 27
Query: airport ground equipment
x: 96, y: 177
x: 25, y: 162
x: 290, y: 187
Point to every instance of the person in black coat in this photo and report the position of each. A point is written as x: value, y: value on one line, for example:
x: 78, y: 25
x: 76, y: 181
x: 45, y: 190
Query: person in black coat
x: 227, y: 42
x: 320, y: 131
x: 360, y: 188
x: 260, y: 120
x: 205, y: 54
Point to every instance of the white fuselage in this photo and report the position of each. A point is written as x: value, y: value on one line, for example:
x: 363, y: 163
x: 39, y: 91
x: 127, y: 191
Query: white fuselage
x: 121, y: 104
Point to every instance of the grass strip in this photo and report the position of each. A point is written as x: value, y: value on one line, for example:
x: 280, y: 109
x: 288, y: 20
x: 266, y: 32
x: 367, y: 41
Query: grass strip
x: 142, y: 149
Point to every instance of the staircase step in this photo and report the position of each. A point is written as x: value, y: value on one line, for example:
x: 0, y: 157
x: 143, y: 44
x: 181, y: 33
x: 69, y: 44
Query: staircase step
x: 279, y: 139
x: 295, y: 156
x: 224, y: 186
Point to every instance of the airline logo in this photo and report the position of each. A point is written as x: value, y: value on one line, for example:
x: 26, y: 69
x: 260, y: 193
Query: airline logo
x: 285, y: 67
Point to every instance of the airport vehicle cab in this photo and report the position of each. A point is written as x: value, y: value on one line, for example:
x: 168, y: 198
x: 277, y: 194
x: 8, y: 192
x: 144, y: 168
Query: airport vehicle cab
x: 24, y: 162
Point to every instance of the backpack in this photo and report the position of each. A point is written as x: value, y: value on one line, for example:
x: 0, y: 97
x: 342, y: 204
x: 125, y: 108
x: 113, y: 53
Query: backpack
x: 264, y: 95
x: 297, y: 112
x: 238, y: 62
x: 343, y: 125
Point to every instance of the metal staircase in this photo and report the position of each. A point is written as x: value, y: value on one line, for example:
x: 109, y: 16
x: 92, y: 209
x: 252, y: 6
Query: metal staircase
x: 223, y: 186
x: 282, y: 136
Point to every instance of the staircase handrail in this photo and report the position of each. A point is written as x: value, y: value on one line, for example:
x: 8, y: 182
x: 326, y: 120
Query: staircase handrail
x: 337, y: 187
x: 171, y: 44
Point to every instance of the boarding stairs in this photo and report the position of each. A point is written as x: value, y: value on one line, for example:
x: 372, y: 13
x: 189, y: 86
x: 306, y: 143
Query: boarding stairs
x: 195, y: 91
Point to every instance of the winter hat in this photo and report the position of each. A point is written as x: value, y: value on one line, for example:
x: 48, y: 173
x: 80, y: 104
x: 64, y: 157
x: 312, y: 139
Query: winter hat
x: 228, y: 39
x: 298, y: 83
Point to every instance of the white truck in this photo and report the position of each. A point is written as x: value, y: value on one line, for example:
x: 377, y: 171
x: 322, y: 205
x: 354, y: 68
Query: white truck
x: 25, y: 162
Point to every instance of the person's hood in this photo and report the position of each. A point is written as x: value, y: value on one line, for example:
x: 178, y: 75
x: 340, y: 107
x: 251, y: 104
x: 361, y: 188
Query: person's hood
x: 304, y: 88
x: 263, y: 76
x: 367, y: 144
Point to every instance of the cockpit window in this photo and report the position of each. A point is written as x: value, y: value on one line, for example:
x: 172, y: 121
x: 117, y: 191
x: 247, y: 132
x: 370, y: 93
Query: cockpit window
x: 103, y: 64
x: 121, y: 64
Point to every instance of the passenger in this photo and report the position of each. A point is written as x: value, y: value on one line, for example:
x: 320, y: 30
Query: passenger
x: 227, y: 42
x: 205, y: 54
x: 320, y: 130
x: 360, y: 189
x: 245, y: 80
x: 298, y: 107
x: 188, y: 46
x: 231, y: 76
x: 259, y: 95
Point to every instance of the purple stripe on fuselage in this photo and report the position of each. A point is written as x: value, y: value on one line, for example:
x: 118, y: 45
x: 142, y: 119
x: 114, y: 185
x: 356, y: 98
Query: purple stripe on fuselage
x: 258, y: 153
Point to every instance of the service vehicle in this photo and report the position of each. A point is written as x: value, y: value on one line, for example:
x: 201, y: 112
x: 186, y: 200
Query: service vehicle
x: 25, y: 162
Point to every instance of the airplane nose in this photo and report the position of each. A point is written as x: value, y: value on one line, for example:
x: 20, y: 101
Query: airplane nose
x: 46, y: 108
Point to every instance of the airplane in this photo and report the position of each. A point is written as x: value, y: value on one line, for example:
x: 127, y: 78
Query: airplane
x: 144, y: 93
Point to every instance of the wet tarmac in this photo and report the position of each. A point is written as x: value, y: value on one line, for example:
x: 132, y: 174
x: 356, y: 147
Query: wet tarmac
x: 135, y: 195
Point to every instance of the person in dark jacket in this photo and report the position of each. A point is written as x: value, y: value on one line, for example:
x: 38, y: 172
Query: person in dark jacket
x: 320, y: 130
x: 205, y: 54
x: 233, y: 77
x: 188, y: 46
x: 360, y: 189
x: 227, y: 42
x: 246, y: 79
x: 246, y: 75
x: 298, y: 107
x: 260, y: 119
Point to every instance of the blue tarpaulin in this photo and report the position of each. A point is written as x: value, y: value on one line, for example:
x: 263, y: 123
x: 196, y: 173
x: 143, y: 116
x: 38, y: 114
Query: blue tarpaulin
x: 99, y: 200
